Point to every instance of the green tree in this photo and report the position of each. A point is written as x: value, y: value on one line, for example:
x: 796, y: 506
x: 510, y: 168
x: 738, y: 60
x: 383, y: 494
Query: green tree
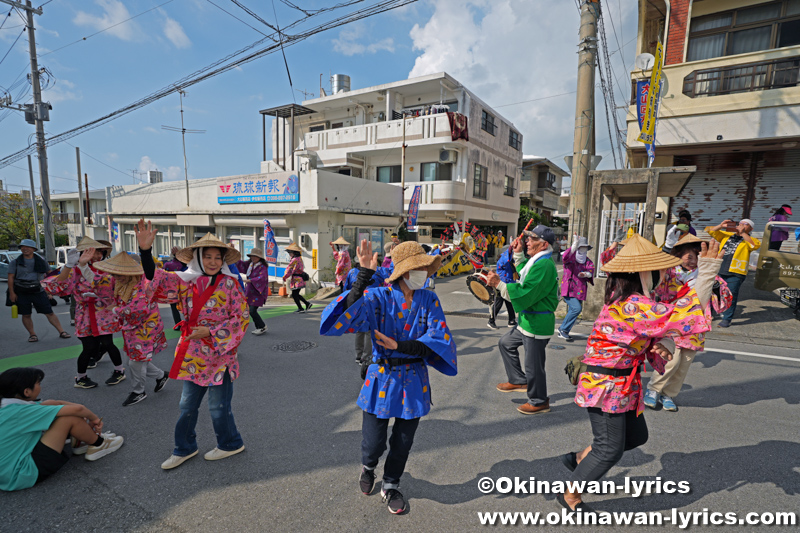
x: 526, y: 214
x: 16, y: 220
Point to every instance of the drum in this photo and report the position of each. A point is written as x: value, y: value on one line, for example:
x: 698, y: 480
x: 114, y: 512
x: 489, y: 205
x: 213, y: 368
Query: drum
x: 476, y: 283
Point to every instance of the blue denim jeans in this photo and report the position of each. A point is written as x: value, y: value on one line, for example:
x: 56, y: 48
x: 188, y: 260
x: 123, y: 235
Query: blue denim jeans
x: 219, y: 405
x: 734, y: 282
x: 574, y: 307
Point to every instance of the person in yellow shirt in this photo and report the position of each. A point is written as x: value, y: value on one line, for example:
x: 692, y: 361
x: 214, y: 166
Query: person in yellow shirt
x: 737, y: 245
x: 501, y: 241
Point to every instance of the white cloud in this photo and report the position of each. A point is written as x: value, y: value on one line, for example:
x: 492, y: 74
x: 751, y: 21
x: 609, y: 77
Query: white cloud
x: 173, y: 173
x: 114, y: 12
x: 174, y: 32
x: 349, y: 45
x: 62, y: 91
x: 509, y: 51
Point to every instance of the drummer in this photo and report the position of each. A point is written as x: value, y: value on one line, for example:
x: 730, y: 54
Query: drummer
x: 535, y: 297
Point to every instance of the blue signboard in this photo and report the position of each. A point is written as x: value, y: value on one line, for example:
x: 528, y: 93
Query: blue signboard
x: 642, y: 88
x: 259, y: 188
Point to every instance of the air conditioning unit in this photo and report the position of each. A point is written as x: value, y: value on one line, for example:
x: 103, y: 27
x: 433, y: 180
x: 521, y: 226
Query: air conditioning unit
x: 448, y: 156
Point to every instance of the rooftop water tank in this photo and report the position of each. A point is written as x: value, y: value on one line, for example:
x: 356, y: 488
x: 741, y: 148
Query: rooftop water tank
x: 340, y: 83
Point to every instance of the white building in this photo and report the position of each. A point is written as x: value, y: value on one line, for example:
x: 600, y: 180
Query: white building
x: 66, y: 212
x: 360, y: 133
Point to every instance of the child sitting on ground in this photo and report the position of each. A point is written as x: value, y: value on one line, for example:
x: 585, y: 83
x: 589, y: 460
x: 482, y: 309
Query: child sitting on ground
x: 33, y: 433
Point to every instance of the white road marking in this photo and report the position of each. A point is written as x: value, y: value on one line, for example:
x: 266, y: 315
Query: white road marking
x: 733, y: 352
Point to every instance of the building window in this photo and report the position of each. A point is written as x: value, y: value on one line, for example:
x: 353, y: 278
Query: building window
x: 760, y: 76
x: 547, y: 180
x: 509, y: 190
x: 436, y: 172
x: 389, y: 174
x: 750, y: 29
x: 480, y: 182
x: 488, y: 123
x: 514, y: 140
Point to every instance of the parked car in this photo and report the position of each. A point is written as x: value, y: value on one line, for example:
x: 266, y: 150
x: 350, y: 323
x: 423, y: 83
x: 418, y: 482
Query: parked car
x: 780, y: 269
x: 5, y: 258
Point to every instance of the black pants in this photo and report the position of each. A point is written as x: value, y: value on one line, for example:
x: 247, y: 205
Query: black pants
x: 94, y: 347
x: 373, y: 444
x: 535, y: 356
x: 176, y: 315
x: 775, y: 245
x: 258, y: 322
x: 614, y: 434
x: 297, y: 299
x: 497, y: 306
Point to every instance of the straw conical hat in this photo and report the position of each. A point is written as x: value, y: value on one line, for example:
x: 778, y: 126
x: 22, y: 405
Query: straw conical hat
x: 294, y: 248
x: 410, y: 255
x: 688, y: 239
x: 209, y: 240
x: 88, y: 242
x: 340, y: 240
x: 640, y: 255
x: 121, y: 264
x: 258, y: 252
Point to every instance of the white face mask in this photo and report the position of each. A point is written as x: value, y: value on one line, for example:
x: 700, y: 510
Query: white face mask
x: 580, y: 255
x: 416, y: 279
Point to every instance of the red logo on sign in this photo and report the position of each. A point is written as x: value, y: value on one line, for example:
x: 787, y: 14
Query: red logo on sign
x: 225, y: 188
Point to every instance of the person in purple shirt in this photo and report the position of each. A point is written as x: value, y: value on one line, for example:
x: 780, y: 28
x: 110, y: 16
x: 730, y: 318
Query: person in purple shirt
x: 173, y: 265
x: 779, y: 234
x: 257, y: 287
x: 578, y: 273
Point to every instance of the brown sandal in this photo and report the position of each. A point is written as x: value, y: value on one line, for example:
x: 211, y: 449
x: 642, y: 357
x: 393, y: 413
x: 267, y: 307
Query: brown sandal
x: 64, y: 335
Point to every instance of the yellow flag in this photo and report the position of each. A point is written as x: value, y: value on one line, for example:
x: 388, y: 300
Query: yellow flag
x: 648, y: 134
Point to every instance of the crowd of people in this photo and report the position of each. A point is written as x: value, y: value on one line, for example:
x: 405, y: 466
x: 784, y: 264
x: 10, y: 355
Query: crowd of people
x: 658, y: 305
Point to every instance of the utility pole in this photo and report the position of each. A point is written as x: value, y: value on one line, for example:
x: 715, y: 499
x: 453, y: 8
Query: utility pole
x: 583, y: 144
x: 88, y: 203
x: 80, y: 193
x: 33, y: 201
x: 40, y: 115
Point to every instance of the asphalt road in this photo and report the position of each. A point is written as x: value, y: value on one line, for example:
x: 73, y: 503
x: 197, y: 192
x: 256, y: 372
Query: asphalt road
x: 734, y: 439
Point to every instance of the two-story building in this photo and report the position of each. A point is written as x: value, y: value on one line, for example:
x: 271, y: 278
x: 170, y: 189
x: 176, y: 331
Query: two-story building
x: 730, y: 104
x: 66, y: 209
x: 540, y: 188
x: 465, y: 157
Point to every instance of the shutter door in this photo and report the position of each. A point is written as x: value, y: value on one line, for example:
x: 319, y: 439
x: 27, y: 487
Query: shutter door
x: 777, y: 183
x: 716, y: 191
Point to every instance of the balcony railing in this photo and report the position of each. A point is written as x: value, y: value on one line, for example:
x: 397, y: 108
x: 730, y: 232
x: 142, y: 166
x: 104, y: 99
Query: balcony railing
x: 552, y: 190
x: 760, y: 76
x: 67, y: 218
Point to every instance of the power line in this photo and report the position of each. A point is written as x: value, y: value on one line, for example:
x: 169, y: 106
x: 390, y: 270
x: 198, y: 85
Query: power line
x: 106, y: 29
x: 237, y: 18
x: 231, y: 61
x: 534, y: 100
x: 12, y: 46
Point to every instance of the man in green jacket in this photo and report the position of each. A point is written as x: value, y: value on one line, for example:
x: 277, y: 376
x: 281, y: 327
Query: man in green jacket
x: 535, y: 298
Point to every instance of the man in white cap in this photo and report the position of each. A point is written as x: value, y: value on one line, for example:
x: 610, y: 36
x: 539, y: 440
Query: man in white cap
x: 25, y: 274
x: 736, y: 244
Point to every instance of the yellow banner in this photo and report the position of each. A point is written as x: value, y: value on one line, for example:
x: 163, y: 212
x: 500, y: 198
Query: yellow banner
x: 648, y: 134
x: 314, y: 258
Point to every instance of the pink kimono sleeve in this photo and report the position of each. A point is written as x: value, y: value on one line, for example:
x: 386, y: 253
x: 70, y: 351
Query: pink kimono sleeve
x: 228, y: 334
x: 166, y: 287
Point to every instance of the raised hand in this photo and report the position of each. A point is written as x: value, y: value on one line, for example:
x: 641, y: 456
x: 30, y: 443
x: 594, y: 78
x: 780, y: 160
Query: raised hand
x: 384, y: 341
x: 145, y: 234
x: 366, y: 258
x: 86, y: 257
x: 712, y: 251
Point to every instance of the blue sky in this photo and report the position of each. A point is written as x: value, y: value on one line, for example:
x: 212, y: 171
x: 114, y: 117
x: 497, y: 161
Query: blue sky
x: 507, y: 51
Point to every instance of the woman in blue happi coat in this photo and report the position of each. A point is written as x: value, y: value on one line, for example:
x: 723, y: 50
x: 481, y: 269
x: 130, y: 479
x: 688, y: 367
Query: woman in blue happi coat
x: 409, y: 334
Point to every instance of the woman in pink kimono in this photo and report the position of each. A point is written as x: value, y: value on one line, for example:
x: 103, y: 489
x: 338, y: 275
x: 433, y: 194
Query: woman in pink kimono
x: 341, y: 253
x: 215, y: 321
x: 95, y: 321
x: 295, y: 275
x: 257, y: 288
x: 140, y: 320
x: 629, y: 329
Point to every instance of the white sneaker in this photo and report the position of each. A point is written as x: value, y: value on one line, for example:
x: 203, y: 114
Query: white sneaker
x: 111, y: 443
x: 79, y: 447
x: 259, y: 331
x: 217, y: 454
x: 177, y: 460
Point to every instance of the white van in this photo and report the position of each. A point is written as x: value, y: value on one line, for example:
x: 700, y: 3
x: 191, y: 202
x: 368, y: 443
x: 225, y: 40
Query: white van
x: 61, y: 256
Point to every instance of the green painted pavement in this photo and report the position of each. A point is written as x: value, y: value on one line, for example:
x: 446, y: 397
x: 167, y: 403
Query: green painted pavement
x: 72, y: 352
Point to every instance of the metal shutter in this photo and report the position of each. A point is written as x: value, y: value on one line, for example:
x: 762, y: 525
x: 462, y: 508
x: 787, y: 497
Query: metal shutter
x: 777, y: 183
x: 717, y: 190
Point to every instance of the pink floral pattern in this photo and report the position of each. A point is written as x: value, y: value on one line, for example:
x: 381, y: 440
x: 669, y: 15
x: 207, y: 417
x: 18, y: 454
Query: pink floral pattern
x: 293, y: 271
x: 622, y: 338
x: 142, y: 327
x: 342, y: 265
x: 225, y: 314
x: 94, y: 316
